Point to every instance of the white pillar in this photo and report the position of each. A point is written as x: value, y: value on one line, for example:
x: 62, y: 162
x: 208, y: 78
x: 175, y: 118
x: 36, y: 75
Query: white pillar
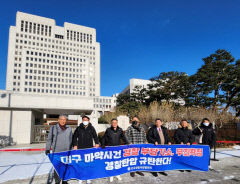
x: 22, y: 122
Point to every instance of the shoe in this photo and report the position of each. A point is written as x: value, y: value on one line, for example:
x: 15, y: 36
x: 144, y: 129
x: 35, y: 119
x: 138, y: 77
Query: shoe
x: 210, y: 168
x: 188, y: 170
x: 89, y: 182
x: 64, y: 182
x: 119, y: 178
x: 154, y: 174
x: 132, y: 174
x: 181, y: 170
x: 111, y: 179
x: 140, y: 173
x: 163, y: 173
x: 79, y: 181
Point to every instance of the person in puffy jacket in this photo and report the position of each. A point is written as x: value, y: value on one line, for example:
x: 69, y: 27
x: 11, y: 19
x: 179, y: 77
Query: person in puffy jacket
x: 206, y: 133
x: 113, y: 137
x: 83, y: 137
x: 183, y: 135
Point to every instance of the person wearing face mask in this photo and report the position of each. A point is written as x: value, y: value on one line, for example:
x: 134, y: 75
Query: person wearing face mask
x: 135, y: 134
x: 84, y: 135
x: 206, y: 133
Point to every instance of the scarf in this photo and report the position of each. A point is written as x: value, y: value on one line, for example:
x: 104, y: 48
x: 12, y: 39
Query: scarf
x: 63, y: 127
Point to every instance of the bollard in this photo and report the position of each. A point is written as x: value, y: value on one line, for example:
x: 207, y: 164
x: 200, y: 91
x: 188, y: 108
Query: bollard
x: 214, y: 153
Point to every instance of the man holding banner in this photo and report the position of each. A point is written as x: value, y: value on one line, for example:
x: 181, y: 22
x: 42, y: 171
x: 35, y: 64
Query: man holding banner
x: 92, y: 163
x: 84, y: 135
x: 113, y: 137
x: 157, y: 134
x: 183, y: 135
x: 59, y: 139
x: 136, y: 135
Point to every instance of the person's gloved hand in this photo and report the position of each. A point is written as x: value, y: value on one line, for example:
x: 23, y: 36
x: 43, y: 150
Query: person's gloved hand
x: 47, y: 152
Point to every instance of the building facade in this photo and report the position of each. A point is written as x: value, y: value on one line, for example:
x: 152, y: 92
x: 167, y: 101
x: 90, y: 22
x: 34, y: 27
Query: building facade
x: 143, y: 84
x: 51, y: 70
x: 133, y: 83
x: 47, y: 59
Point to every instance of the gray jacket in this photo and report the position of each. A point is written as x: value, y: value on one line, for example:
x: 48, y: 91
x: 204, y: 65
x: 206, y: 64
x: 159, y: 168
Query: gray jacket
x: 58, y: 139
x: 135, y: 136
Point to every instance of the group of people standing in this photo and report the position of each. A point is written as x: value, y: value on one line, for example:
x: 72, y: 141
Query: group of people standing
x: 60, y: 137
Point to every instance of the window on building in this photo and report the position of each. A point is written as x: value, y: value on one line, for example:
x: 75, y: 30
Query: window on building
x: 22, y: 24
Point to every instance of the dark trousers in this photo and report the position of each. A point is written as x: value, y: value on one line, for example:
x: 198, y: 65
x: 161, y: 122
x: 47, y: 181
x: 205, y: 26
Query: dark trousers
x: 209, y: 157
x: 56, y: 177
x: 210, y: 151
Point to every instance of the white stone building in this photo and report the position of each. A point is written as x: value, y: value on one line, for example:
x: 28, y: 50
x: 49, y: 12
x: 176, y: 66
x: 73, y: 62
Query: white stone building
x: 50, y: 70
x: 133, y: 83
x: 141, y: 84
x: 47, y: 59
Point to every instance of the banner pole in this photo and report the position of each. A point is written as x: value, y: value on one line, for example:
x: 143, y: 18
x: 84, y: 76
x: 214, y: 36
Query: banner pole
x: 214, y: 146
x: 214, y: 157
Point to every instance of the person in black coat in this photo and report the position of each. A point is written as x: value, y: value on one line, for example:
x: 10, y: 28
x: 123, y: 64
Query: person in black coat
x: 84, y: 135
x: 153, y: 135
x: 157, y: 134
x: 206, y: 133
x: 113, y: 137
x: 183, y: 135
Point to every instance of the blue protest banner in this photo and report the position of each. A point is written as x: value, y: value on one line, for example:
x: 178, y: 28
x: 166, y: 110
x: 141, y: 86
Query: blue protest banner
x: 96, y: 163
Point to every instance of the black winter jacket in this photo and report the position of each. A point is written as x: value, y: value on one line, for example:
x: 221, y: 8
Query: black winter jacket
x: 113, y: 137
x: 183, y: 135
x: 83, y: 137
x: 153, y: 135
x: 208, y: 134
